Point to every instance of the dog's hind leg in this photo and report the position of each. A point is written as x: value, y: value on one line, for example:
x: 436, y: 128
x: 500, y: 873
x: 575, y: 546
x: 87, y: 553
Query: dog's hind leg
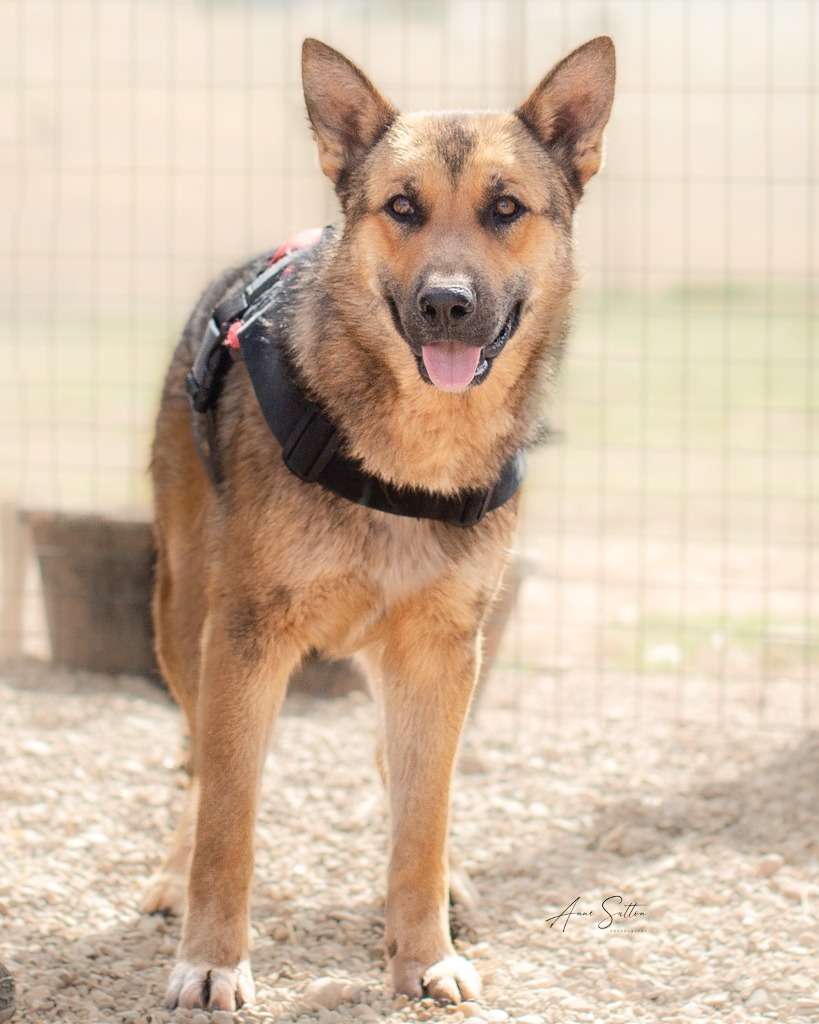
x: 430, y: 666
x: 165, y: 890
x: 178, y: 611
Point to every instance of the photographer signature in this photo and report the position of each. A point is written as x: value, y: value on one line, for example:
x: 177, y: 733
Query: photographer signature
x: 615, y: 911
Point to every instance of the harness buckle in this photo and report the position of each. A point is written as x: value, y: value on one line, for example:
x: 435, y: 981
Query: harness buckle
x: 475, y: 507
x: 312, y: 443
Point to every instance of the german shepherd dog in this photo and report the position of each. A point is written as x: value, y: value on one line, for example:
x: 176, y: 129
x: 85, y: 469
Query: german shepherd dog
x: 427, y: 326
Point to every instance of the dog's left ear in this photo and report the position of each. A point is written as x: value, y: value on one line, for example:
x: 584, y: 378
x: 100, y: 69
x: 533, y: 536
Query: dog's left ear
x: 347, y: 112
x: 570, y: 108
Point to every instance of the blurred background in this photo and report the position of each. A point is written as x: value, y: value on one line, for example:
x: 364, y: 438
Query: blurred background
x: 670, y: 561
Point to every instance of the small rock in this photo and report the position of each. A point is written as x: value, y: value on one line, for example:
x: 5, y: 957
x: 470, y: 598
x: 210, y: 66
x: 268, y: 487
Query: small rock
x: 324, y: 992
x: 36, y: 747
x: 364, y: 1012
x: 101, y: 997
x: 622, y: 950
x: 400, y: 1002
x: 758, y: 999
x: 474, y: 1020
x: 37, y: 995
x: 790, y: 888
x: 326, y: 1016
x: 353, y: 992
x: 150, y: 923
x: 200, y: 1018
x: 496, y: 1016
x: 121, y: 968
x: 146, y: 950
x: 637, y: 839
x: 769, y: 865
x: 531, y: 1018
x: 716, y: 998
x: 692, y: 1010
x: 222, y: 1017
x: 470, y: 1009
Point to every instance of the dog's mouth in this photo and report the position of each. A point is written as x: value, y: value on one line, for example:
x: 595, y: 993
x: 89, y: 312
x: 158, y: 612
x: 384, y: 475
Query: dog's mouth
x: 456, y: 365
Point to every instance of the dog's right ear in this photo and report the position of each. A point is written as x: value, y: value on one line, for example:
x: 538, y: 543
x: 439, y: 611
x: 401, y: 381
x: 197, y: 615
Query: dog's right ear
x: 347, y: 112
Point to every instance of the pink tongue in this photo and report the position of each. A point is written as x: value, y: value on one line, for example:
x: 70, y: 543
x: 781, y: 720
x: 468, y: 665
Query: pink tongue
x: 451, y: 365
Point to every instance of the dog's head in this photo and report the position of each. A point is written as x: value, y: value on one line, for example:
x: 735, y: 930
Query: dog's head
x: 458, y: 224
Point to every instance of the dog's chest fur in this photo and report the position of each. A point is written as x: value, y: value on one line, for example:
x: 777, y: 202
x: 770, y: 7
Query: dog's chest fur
x: 406, y: 559
x: 391, y: 564
x: 352, y: 580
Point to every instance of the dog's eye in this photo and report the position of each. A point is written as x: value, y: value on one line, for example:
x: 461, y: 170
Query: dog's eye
x: 506, y: 207
x: 401, y: 207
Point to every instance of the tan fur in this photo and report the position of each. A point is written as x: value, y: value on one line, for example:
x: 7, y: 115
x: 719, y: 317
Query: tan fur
x: 257, y: 572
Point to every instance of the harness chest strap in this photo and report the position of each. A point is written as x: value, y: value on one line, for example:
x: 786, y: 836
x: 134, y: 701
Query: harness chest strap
x: 310, y: 442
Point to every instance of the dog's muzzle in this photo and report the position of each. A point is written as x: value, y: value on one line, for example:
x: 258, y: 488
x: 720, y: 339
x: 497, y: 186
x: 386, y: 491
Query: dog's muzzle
x: 452, y: 363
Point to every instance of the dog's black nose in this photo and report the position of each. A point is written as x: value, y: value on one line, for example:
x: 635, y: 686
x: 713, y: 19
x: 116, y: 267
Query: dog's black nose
x: 446, y: 305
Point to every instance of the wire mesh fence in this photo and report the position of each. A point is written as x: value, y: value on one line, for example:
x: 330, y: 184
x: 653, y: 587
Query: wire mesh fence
x: 670, y: 531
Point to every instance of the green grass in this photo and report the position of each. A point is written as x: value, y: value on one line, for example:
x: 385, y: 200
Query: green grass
x: 688, y: 370
x: 714, y: 645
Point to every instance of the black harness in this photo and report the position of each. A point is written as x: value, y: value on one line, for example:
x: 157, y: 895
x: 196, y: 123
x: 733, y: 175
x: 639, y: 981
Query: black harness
x: 310, y: 443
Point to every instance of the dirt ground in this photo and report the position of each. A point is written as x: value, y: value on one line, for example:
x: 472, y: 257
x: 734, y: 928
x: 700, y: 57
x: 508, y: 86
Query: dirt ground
x: 703, y: 840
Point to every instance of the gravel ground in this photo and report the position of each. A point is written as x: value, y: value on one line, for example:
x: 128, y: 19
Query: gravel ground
x: 712, y: 834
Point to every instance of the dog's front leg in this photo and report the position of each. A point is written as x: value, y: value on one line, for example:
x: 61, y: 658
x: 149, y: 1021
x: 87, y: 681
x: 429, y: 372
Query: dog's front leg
x: 430, y: 668
x: 245, y: 671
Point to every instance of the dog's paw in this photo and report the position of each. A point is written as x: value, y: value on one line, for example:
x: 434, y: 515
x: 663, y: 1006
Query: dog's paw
x: 210, y: 988
x: 449, y: 980
x: 164, y: 894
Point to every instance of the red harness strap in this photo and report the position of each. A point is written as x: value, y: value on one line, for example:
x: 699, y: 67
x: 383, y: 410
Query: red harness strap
x: 301, y: 240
